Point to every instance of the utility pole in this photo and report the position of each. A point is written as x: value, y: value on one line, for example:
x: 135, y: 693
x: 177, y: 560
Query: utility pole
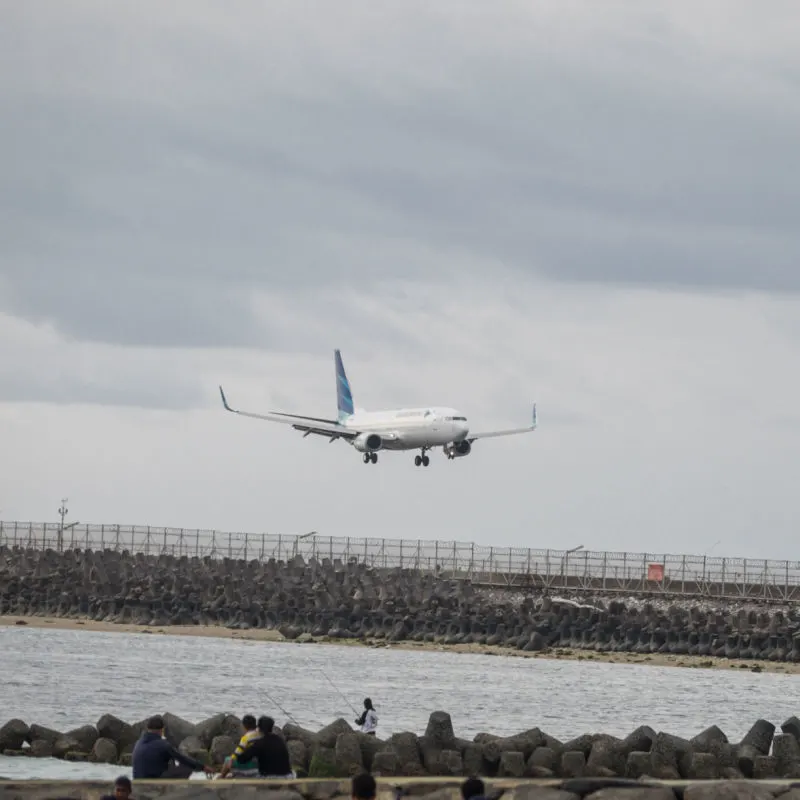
x: 63, y: 511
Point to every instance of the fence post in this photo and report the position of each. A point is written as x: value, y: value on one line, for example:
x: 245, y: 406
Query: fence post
x: 471, y: 560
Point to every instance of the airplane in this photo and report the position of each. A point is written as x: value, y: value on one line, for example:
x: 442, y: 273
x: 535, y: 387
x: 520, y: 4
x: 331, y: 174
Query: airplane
x: 395, y: 430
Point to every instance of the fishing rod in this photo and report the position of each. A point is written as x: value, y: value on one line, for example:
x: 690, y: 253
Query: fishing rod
x: 325, y: 674
x: 282, y: 709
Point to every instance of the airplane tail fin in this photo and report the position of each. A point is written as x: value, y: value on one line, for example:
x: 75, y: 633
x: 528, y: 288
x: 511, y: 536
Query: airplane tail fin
x: 344, y: 396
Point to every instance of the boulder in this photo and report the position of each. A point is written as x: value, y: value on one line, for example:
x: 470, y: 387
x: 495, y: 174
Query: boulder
x: 104, y: 751
x: 760, y: 736
x: 298, y: 754
x: 385, y: 764
x: 347, y: 752
x: 13, y: 735
x: 209, y: 728
x: 120, y: 732
x: 330, y: 733
x: 221, y: 748
x: 440, y: 730
x: 543, y: 757
x: 573, y: 764
x: 39, y: 732
x: 512, y: 764
x: 85, y: 736
x: 41, y: 748
x: 176, y: 729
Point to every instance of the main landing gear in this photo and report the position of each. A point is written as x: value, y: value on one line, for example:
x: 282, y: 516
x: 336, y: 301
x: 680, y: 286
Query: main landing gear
x: 422, y: 459
x: 370, y: 458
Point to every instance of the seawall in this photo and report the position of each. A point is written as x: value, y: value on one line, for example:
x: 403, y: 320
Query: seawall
x: 350, y: 602
x: 337, y: 751
x: 423, y: 789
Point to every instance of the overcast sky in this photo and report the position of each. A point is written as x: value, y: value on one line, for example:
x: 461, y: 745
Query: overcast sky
x: 593, y: 206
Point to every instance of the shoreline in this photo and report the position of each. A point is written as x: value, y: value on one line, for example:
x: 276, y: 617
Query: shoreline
x: 275, y: 637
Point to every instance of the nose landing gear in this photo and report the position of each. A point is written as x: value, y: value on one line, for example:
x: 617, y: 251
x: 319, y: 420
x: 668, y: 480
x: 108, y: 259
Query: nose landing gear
x: 370, y: 458
x: 422, y: 460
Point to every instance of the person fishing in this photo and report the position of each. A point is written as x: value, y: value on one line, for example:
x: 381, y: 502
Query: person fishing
x: 369, y: 719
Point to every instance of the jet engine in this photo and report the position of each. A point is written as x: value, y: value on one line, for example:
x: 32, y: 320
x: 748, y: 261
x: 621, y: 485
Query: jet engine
x: 367, y: 442
x: 458, y: 449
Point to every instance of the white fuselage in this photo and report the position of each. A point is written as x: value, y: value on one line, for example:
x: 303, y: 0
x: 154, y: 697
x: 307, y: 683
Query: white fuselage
x: 413, y: 427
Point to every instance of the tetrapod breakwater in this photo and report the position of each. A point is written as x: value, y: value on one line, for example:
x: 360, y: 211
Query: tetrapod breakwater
x: 338, y: 751
x: 311, y: 599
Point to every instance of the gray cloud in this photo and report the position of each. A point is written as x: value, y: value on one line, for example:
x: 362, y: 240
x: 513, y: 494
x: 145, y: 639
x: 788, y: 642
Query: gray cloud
x: 151, y: 187
x: 592, y: 209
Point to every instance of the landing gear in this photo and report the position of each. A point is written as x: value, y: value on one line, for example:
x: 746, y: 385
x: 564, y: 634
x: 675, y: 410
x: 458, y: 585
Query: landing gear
x: 370, y: 458
x: 422, y: 460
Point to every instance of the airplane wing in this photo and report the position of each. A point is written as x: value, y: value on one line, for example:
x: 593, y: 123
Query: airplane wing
x: 471, y: 437
x: 322, y: 427
x: 329, y: 428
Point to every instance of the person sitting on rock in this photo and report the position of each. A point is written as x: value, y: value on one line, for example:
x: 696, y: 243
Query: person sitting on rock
x: 369, y: 719
x: 363, y: 787
x: 154, y: 757
x: 122, y: 789
x: 269, y: 750
x: 473, y: 789
x: 249, y: 769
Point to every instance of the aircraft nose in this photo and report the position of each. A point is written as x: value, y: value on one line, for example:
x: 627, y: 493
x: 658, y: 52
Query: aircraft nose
x: 463, y: 430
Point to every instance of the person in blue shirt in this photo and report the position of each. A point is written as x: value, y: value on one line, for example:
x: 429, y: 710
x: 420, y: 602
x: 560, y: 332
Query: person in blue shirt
x: 154, y: 757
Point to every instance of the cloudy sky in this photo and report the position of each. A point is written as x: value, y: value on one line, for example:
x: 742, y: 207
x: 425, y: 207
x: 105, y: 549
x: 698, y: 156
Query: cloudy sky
x: 593, y: 206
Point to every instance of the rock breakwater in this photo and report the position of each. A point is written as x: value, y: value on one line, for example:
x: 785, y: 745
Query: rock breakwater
x: 338, y: 751
x: 305, y: 600
x: 395, y: 789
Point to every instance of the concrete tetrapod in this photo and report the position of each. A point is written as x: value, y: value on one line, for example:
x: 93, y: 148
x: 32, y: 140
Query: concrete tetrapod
x: 338, y: 751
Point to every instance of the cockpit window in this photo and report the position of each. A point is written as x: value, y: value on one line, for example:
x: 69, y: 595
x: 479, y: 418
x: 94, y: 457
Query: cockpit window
x: 460, y: 419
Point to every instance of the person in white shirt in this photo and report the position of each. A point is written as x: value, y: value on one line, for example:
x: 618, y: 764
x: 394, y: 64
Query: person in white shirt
x: 369, y: 719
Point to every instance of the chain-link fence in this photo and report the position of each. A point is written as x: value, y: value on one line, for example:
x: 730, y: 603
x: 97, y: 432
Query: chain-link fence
x: 582, y: 570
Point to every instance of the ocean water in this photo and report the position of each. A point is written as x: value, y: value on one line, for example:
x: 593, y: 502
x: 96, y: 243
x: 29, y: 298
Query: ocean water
x: 64, y: 679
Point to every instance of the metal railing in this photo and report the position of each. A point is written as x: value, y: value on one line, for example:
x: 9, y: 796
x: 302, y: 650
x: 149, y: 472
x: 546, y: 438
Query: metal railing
x: 582, y: 571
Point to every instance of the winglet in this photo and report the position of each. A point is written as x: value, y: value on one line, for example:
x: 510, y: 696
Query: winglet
x: 224, y: 401
x: 533, y: 425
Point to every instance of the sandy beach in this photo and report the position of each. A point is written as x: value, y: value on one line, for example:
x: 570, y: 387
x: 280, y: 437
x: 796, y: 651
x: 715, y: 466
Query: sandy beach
x: 260, y: 635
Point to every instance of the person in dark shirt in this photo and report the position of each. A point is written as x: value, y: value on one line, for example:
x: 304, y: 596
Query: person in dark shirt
x: 363, y: 787
x: 473, y: 789
x: 122, y: 789
x: 269, y: 751
x: 154, y: 756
